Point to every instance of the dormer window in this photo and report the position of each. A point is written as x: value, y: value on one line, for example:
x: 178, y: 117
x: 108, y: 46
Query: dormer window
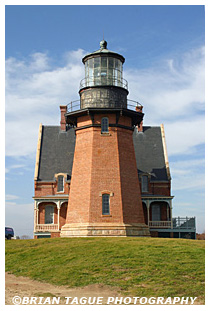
x: 104, y: 125
x: 60, y: 183
x: 144, y: 183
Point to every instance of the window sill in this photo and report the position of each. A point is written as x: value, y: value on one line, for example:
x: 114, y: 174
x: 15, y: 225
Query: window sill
x: 106, y: 215
x: 105, y: 134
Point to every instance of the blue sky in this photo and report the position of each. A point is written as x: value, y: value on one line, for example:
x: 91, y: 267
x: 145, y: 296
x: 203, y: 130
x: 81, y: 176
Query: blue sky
x: 164, y: 51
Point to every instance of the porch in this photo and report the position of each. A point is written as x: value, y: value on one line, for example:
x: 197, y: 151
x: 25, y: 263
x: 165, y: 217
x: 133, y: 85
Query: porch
x: 158, y: 216
x: 49, y: 215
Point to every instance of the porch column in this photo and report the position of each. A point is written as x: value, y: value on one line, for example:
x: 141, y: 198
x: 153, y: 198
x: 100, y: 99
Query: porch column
x: 171, y: 214
x: 148, y: 204
x: 35, y: 215
x: 37, y: 212
x: 58, y: 208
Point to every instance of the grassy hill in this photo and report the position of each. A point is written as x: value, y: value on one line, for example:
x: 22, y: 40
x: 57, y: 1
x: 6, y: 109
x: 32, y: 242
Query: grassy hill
x: 143, y: 267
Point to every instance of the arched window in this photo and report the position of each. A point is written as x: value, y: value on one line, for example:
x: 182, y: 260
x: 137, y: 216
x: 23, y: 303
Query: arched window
x: 104, y: 125
x: 106, y: 204
x: 60, y: 185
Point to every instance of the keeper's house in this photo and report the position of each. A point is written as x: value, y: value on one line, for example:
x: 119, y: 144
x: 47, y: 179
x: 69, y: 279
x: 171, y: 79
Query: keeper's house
x: 101, y: 172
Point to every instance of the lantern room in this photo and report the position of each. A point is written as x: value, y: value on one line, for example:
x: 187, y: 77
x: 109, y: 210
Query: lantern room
x: 103, y: 85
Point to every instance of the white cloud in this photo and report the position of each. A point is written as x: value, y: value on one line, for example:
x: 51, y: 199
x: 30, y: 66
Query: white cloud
x: 188, y: 175
x: 10, y: 197
x: 172, y: 93
x: 172, y: 89
x: 184, y: 135
x: 34, y: 91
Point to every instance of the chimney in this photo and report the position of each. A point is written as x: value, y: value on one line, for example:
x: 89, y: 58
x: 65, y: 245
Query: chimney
x: 63, y: 110
x: 140, y: 125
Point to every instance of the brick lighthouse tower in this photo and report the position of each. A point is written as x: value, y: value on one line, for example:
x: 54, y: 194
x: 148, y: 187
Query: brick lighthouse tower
x: 105, y: 197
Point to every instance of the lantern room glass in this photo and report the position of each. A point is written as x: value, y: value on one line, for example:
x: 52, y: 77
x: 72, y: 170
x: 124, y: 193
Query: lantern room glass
x: 103, y: 71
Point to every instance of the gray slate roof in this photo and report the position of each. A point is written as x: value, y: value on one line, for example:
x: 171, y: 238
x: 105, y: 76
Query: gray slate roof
x: 57, y: 151
x: 149, y: 152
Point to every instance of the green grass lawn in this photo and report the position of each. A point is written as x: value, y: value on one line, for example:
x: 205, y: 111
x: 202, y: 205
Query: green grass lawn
x: 142, y: 267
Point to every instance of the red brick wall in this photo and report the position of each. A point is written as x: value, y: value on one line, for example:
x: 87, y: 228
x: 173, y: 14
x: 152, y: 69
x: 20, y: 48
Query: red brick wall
x: 104, y: 163
x: 105, y: 175
x: 55, y: 234
x: 131, y: 195
x: 159, y: 188
x: 79, y: 197
x: 41, y: 214
x: 49, y: 188
x: 63, y: 215
x: 63, y: 110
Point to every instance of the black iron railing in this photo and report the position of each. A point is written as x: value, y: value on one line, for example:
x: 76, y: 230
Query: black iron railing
x: 75, y: 105
x: 184, y: 222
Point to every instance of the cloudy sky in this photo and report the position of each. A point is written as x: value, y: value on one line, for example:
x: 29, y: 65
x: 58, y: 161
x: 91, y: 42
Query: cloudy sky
x: 164, y: 50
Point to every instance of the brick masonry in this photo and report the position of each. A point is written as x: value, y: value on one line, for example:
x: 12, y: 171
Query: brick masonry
x: 101, y: 166
x: 104, y: 163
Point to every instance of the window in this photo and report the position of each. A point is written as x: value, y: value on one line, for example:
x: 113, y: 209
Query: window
x: 106, y: 204
x: 156, y: 212
x: 49, y: 212
x: 104, y: 125
x: 103, y: 71
x: 144, y: 183
x: 60, y: 186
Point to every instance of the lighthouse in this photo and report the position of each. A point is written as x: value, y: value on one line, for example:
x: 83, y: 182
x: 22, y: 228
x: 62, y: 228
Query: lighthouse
x: 104, y: 197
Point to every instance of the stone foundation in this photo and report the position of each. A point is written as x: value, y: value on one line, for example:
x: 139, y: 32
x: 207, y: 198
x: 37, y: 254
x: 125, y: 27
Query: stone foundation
x: 105, y: 229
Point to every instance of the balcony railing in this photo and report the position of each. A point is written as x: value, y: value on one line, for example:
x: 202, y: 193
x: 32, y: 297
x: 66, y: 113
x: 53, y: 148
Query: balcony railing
x: 178, y: 223
x: 103, y: 81
x: 75, y: 105
x: 46, y: 227
x: 160, y: 224
x: 184, y: 222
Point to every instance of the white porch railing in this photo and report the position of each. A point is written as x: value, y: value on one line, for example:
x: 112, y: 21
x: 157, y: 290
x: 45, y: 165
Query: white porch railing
x: 160, y: 224
x: 46, y: 227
